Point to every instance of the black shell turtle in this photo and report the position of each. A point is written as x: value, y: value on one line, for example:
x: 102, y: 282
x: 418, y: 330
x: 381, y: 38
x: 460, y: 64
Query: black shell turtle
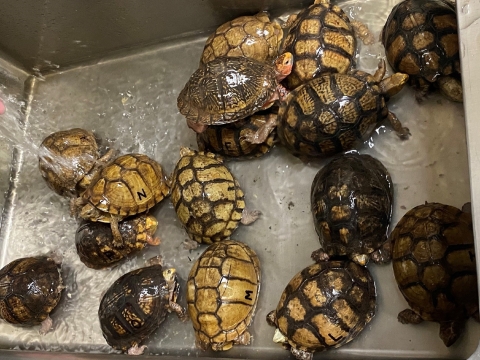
x: 324, y: 306
x: 351, y: 202
x: 434, y: 264
x: 136, y: 304
x: 18, y: 303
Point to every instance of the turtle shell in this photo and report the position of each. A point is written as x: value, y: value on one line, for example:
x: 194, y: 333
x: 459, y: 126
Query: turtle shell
x: 255, y: 37
x: 434, y: 262
x: 131, y: 184
x: 222, y: 293
x: 207, y: 198
x: 325, y: 306
x: 351, y: 202
x: 321, y: 39
x: 65, y: 157
x: 226, y: 89
x: 330, y: 114
x: 134, y: 306
x: 94, y: 240
x: 421, y: 39
x: 18, y: 303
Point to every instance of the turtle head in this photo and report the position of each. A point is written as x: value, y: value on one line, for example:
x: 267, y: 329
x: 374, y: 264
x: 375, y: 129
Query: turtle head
x: 89, y: 212
x: 170, y: 275
x: 283, y: 66
x: 393, y: 84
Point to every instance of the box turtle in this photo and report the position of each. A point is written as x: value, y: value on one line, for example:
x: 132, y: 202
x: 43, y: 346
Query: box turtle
x: 255, y: 37
x: 228, y: 89
x: 434, y: 264
x: 18, y: 303
x: 324, y: 306
x: 421, y: 40
x: 130, y: 185
x: 136, y: 304
x: 351, y: 202
x: 68, y: 159
x: 94, y: 240
x: 207, y: 198
x: 222, y: 293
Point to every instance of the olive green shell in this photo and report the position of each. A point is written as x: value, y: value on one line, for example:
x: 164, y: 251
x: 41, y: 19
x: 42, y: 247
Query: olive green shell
x: 321, y: 40
x: 326, y: 305
x: 65, y: 157
x: 222, y: 293
x: 18, y: 303
x: 434, y: 262
x: 255, y: 37
x: 206, y: 197
x: 313, y: 122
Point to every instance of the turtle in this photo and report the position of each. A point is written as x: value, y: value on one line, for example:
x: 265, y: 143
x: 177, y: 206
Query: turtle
x: 228, y: 89
x: 255, y: 37
x: 136, y: 304
x: 434, y: 265
x: 421, y: 39
x: 68, y: 160
x: 222, y: 293
x: 131, y: 184
x: 207, y: 198
x: 324, y: 306
x: 351, y: 202
x: 94, y: 240
x: 30, y: 289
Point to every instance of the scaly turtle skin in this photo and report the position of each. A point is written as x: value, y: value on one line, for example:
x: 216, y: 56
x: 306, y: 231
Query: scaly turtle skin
x: 434, y: 265
x: 222, y: 293
x: 351, y: 202
x: 324, y: 306
x: 207, y: 198
x: 254, y: 37
x: 95, y: 244
x: 136, y: 304
x: 21, y: 305
x: 421, y: 40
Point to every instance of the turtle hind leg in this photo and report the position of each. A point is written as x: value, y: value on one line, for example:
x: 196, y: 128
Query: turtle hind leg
x: 450, y: 331
x: 243, y: 339
x: 319, y: 256
x: 301, y: 354
x: 259, y: 136
x: 363, y: 32
x: 382, y: 255
x: 117, y: 236
x: 249, y: 216
x: 402, y: 132
x: 409, y: 316
x: 46, y: 325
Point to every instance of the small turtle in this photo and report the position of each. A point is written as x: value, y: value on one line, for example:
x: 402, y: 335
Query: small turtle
x: 30, y: 288
x: 324, y: 306
x: 94, y: 240
x: 228, y: 89
x: 421, y: 40
x: 207, y: 198
x: 351, y: 202
x: 69, y: 159
x: 434, y: 265
x: 136, y: 304
x: 130, y: 185
x: 222, y: 293
x: 255, y: 37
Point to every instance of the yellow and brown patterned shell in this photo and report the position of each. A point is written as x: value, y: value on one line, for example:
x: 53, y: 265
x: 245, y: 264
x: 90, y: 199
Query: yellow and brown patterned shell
x: 326, y: 305
x: 222, y: 293
x: 131, y: 184
x: 255, y: 37
x: 208, y: 200
x: 434, y: 262
x: 321, y: 40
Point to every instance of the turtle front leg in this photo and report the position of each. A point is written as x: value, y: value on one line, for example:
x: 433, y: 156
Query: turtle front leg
x: 409, y: 316
x: 451, y: 88
x: 117, y: 236
x: 382, y: 255
x: 75, y: 205
x: 363, y: 32
x: 451, y: 330
x: 180, y: 311
x: 47, y: 324
x: 249, y: 216
x: 301, y: 354
x: 259, y: 136
x: 136, y: 350
x: 197, y: 127
x: 402, y: 132
x: 319, y: 256
x: 280, y: 93
x: 243, y: 339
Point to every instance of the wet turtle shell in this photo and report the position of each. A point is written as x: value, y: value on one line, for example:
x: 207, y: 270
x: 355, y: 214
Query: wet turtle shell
x: 434, y: 265
x: 136, y: 304
x: 255, y: 37
x: 421, y: 40
x: 321, y: 39
x: 18, y: 303
x: 94, y: 240
x: 324, y: 306
x: 222, y: 292
x: 351, y: 202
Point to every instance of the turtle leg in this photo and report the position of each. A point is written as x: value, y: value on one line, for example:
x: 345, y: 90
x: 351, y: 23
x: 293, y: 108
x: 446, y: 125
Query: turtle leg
x: 117, y: 236
x: 422, y: 88
x: 382, y: 255
x: 259, y: 136
x: 451, y: 88
x: 99, y: 164
x: 136, y: 350
x: 249, y: 216
x: 363, y: 32
x: 197, y: 127
x: 75, y: 205
x: 153, y: 240
x: 180, y: 311
x: 190, y: 244
x: 319, y: 256
x: 301, y: 354
x: 450, y: 331
x: 401, y: 131
x: 47, y: 324
x: 409, y: 316
x: 243, y: 339
x: 291, y: 19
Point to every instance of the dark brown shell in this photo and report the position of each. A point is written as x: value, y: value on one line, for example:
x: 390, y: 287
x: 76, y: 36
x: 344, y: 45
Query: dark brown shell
x: 321, y: 40
x: 18, y: 303
x: 326, y: 305
x: 351, y: 202
x: 434, y: 262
